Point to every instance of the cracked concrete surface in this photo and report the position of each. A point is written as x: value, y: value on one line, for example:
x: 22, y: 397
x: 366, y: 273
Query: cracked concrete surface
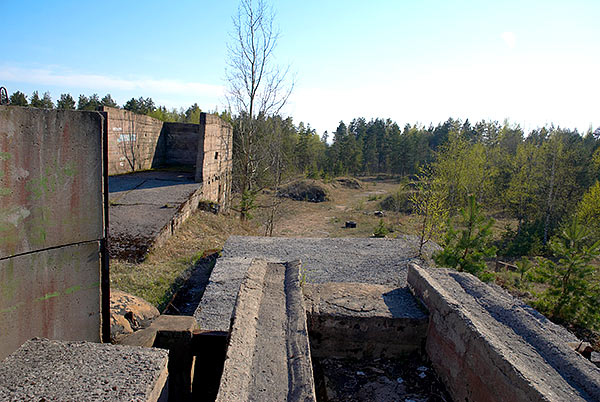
x: 141, y: 205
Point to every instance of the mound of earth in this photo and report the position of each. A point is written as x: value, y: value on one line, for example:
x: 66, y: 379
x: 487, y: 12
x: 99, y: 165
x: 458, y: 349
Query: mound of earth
x: 305, y: 190
x: 397, y: 202
x: 349, y: 182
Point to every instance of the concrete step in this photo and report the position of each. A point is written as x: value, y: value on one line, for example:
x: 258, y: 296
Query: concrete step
x: 363, y: 321
x: 268, y: 355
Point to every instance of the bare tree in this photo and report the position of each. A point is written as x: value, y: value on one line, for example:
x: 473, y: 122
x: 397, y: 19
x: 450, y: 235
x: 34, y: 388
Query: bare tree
x: 257, y: 89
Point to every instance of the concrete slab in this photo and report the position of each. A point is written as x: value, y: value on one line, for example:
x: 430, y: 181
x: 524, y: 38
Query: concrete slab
x: 143, y: 205
x: 52, y: 293
x: 45, y: 370
x: 487, y: 345
x: 217, y: 304
x: 375, y: 261
x: 50, y: 178
x: 359, y: 320
x: 268, y: 357
x: 370, y: 260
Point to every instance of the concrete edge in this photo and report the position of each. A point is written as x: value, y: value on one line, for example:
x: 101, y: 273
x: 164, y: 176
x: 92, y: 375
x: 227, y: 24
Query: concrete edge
x: 183, y: 213
x: 159, y: 392
x: 430, y: 292
x: 235, y: 380
x: 302, y: 384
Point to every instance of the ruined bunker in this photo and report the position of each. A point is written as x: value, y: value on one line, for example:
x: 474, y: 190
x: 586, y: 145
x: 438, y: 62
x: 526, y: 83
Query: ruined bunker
x: 275, y: 309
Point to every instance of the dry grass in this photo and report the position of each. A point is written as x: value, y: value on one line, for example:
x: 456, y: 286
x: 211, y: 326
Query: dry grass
x: 159, y: 275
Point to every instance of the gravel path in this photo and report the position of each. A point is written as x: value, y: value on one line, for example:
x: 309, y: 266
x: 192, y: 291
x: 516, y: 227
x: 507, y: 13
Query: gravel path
x: 367, y: 260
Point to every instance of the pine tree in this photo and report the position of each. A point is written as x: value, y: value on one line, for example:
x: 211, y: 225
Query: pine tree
x: 18, y: 98
x: 466, y: 249
x: 572, y: 295
x: 65, y: 102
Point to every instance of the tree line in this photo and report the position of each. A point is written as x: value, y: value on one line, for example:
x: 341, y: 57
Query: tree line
x: 140, y: 105
x: 539, y: 178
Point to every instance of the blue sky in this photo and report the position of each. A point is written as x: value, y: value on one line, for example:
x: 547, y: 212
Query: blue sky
x: 532, y: 62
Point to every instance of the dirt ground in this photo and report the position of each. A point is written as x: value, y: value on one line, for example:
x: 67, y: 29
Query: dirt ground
x: 327, y: 219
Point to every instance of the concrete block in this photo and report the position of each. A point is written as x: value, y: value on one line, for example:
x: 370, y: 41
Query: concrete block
x: 53, y: 293
x: 51, y: 178
x: 45, y: 370
x: 359, y: 320
x: 216, y: 307
x: 487, y: 345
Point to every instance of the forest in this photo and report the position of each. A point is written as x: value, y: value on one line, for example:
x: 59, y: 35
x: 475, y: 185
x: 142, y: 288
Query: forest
x: 457, y: 175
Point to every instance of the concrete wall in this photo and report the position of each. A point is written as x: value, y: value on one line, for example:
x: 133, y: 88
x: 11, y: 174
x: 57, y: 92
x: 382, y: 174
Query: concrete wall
x: 134, y: 141
x: 181, y: 143
x: 214, y: 165
x: 51, y: 224
x: 139, y: 142
x: 488, y: 346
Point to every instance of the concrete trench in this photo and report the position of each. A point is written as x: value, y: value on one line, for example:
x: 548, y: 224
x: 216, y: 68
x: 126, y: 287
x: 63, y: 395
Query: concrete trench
x: 482, y: 344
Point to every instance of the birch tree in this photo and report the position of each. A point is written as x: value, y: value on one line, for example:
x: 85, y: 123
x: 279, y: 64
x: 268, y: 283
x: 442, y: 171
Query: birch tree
x: 257, y: 89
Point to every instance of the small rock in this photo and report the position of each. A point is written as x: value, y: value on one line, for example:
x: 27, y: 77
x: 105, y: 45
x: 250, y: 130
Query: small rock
x: 422, y: 375
x: 422, y: 368
x: 129, y: 313
x: 360, y: 373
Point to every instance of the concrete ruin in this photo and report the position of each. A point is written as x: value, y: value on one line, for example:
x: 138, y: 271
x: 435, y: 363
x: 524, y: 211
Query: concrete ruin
x: 191, y: 163
x: 273, y: 306
x: 139, y: 142
x: 484, y: 344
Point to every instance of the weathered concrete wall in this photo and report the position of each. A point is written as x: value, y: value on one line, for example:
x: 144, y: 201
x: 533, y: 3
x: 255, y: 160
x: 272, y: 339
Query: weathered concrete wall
x: 139, y: 142
x: 360, y: 320
x: 51, y: 221
x: 214, y: 164
x: 488, y: 346
x: 134, y: 141
x: 181, y: 143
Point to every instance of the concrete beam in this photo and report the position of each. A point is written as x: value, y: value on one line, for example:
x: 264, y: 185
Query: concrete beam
x: 487, y: 345
x: 268, y: 356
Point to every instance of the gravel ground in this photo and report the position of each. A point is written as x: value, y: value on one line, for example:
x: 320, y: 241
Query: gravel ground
x: 371, y: 260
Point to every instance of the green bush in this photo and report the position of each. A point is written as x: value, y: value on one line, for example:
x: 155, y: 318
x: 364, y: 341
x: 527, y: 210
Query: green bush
x: 397, y: 202
x: 381, y: 230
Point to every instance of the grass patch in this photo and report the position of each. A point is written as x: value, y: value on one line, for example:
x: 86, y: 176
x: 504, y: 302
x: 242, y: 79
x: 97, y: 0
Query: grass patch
x: 160, y: 275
